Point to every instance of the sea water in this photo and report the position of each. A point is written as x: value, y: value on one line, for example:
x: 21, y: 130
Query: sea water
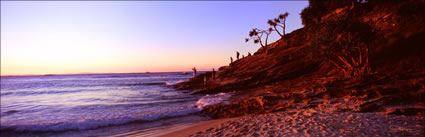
x: 96, y: 104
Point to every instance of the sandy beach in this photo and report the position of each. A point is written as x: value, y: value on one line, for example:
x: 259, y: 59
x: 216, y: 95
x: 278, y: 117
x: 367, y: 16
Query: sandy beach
x: 195, y: 128
x: 309, y: 122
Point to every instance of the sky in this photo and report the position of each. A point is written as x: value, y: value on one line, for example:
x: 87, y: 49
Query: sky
x: 69, y: 37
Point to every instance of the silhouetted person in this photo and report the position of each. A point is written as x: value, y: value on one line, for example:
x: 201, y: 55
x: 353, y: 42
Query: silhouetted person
x: 213, y: 74
x: 231, y: 60
x: 237, y: 55
x: 194, y: 71
x: 243, y: 56
x: 249, y: 54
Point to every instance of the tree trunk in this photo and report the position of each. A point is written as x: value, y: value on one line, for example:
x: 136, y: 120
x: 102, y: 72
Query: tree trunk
x: 278, y: 31
x: 267, y: 37
x: 284, y: 25
x: 261, y: 42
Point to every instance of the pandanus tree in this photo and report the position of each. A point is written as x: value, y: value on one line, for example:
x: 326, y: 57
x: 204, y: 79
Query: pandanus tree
x: 257, y: 35
x: 344, y: 41
x: 279, y: 23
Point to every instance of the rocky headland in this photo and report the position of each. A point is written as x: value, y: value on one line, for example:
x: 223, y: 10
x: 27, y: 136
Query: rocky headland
x: 349, y: 57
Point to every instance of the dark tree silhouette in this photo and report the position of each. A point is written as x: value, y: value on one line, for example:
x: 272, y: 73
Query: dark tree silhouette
x: 279, y: 22
x: 318, y: 8
x: 257, y: 34
x: 344, y: 41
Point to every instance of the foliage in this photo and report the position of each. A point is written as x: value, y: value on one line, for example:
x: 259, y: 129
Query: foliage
x: 344, y: 42
x: 257, y: 34
x: 319, y: 8
x: 279, y: 22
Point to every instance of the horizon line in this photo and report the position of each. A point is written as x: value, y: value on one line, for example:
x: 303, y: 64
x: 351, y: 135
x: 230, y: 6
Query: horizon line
x: 88, y: 73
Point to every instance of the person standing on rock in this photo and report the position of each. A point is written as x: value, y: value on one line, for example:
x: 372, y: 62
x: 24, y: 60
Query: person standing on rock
x: 194, y: 71
x: 237, y: 55
x: 249, y: 53
x: 243, y: 56
x: 231, y: 60
x: 213, y: 74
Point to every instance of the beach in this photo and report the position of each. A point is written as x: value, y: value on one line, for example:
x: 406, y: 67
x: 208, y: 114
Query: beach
x: 309, y: 122
x: 195, y: 128
x: 334, y: 68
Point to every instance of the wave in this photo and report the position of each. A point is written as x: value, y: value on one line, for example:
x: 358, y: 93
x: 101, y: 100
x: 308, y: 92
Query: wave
x: 10, y: 112
x: 209, y: 100
x: 85, y: 125
x: 150, y: 103
x: 83, y: 88
x: 28, y: 93
x: 206, y: 100
x: 173, y: 83
x: 122, y: 76
x: 145, y: 84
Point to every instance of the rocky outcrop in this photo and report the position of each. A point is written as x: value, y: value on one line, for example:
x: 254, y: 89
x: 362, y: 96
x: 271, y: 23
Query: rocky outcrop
x: 386, y: 94
x: 363, y: 57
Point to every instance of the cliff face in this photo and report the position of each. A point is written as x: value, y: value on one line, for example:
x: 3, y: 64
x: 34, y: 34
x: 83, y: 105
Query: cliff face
x: 349, y: 57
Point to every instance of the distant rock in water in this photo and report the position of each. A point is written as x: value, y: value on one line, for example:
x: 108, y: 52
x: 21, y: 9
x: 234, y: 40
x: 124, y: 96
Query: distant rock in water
x: 363, y: 57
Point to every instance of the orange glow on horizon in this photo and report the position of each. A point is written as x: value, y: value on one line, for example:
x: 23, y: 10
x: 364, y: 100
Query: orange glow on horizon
x: 108, y: 65
x: 51, y: 37
x: 57, y: 52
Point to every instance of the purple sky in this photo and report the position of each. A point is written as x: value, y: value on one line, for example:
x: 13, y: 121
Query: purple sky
x: 45, y: 37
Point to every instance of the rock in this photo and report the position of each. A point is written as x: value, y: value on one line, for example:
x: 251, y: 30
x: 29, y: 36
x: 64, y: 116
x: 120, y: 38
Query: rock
x: 293, y: 72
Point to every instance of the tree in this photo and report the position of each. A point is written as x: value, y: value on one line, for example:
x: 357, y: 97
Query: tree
x: 257, y: 34
x: 344, y: 41
x: 279, y: 22
x: 318, y: 8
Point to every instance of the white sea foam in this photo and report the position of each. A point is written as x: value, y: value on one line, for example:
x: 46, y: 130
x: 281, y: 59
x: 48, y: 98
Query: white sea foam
x: 171, y: 83
x: 209, y: 100
x: 90, y: 124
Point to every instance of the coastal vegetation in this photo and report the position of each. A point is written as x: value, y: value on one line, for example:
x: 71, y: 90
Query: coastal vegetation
x: 257, y: 34
x: 279, y: 22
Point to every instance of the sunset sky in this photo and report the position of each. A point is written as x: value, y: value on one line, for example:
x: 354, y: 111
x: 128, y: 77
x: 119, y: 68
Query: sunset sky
x: 62, y: 37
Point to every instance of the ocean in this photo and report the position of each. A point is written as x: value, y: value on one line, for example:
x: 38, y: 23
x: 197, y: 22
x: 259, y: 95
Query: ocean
x: 97, y: 104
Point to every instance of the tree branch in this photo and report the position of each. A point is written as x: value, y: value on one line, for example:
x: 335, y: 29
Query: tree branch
x: 277, y: 31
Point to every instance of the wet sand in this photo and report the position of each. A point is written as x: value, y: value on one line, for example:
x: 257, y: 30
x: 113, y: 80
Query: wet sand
x: 158, y: 132
x: 190, y: 130
x: 310, y: 122
x: 174, y: 130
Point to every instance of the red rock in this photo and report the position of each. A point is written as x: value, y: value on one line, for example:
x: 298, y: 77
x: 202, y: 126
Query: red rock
x: 302, y: 67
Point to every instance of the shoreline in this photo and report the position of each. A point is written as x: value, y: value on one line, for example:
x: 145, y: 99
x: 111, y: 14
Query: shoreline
x: 176, y: 130
x: 193, y: 129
